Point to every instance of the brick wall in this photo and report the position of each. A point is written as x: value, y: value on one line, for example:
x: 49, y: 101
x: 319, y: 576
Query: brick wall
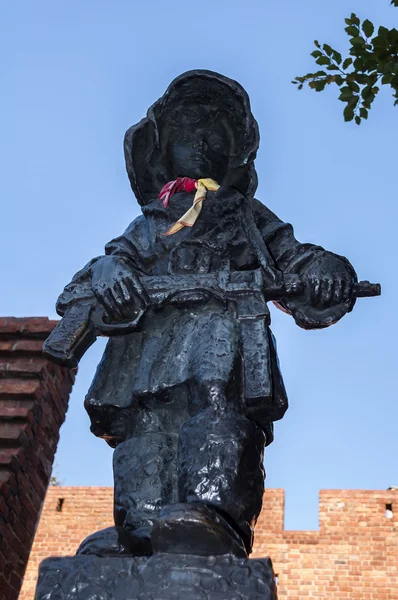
x: 33, y: 401
x: 59, y: 533
x: 353, y: 556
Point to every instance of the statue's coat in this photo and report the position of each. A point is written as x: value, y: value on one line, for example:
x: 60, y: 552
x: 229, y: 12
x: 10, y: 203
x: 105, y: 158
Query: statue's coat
x: 194, y: 340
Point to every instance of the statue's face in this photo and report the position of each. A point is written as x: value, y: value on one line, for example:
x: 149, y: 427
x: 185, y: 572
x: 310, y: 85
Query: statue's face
x: 199, y: 144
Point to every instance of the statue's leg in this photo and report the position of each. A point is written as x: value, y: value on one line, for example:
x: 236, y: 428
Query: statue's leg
x: 220, y: 453
x: 145, y: 474
x: 144, y: 470
x: 145, y: 465
x: 221, y: 466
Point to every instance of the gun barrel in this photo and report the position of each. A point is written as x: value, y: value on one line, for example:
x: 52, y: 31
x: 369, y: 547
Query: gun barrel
x: 365, y: 289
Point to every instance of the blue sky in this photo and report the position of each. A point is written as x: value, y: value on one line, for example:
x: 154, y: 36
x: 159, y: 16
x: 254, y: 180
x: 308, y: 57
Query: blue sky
x: 76, y: 74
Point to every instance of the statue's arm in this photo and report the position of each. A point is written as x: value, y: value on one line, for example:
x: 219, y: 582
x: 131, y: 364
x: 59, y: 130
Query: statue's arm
x: 113, y: 277
x: 329, y: 276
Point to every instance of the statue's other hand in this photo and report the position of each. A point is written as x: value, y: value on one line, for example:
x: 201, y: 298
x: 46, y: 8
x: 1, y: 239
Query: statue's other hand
x: 117, y: 287
x: 327, y: 295
x: 331, y: 289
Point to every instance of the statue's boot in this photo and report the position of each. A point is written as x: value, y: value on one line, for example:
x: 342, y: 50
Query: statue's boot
x: 221, y: 485
x: 115, y: 541
x: 195, y: 529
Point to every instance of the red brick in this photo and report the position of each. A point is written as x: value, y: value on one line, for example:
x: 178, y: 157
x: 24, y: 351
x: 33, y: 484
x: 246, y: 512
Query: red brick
x: 31, y: 413
x: 6, y: 345
x: 29, y: 325
x: 20, y: 387
x: 7, y: 454
x: 17, y: 412
x: 6, y: 590
x: 11, y: 432
x: 15, y: 581
x: 25, y: 346
x: 22, y: 367
x: 10, y: 402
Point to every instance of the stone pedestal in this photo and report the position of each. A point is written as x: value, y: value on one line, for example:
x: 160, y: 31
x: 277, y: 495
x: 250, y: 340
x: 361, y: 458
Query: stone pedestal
x: 159, y: 577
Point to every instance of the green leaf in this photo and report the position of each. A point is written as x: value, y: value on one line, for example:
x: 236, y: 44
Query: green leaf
x: 383, y: 32
x: 357, y: 120
x: 382, y: 56
x: 347, y: 62
x: 352, y: 30
x: 373, y: 65
x: 355, y: 19
x: 320, y: 85
x: 353, y: 101
x: 361, y: 78
x: 368, y: 99
x: 316, y: 53
x: 346, y: 94
x: 357, y: 41
x: 380, y: 41
x: 344, y: 97
x: 368, y: 28
x: 323, y: 60
x: 387, y: 78
x: 364, y: 113
x: 372, y: 78
x: 337, y: 57
x: 317, y: 44
x: 348, y: 113
x: 333, y: 68
x: 300, y: 87
x: 353, y: 86
x: 327, y: 49
x: 356, y: 50
x: 366, y: 91
x: 393, y: 36
x: 358, y: 64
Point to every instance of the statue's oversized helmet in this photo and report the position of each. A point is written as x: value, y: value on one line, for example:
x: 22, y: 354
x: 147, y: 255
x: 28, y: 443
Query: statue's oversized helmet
x: 144, y: 144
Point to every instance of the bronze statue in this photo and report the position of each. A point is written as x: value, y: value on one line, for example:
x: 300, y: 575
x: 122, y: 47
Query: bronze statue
x: 189, y: 385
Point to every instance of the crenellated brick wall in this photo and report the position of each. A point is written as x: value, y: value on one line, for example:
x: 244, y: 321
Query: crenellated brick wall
x: 33, y: 401
x: 353, y: 556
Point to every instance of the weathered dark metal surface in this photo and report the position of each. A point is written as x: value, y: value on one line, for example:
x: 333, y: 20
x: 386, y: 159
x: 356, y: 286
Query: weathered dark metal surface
x: 189, y: 385
x: 161, y: 577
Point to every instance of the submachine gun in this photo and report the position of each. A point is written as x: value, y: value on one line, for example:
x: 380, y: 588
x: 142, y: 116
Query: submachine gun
x: 247, y: 291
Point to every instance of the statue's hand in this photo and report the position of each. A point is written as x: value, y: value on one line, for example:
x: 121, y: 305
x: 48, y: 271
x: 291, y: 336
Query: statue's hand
x: 330, y: 289
x: 117, y: 287
x: 327, y: 295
